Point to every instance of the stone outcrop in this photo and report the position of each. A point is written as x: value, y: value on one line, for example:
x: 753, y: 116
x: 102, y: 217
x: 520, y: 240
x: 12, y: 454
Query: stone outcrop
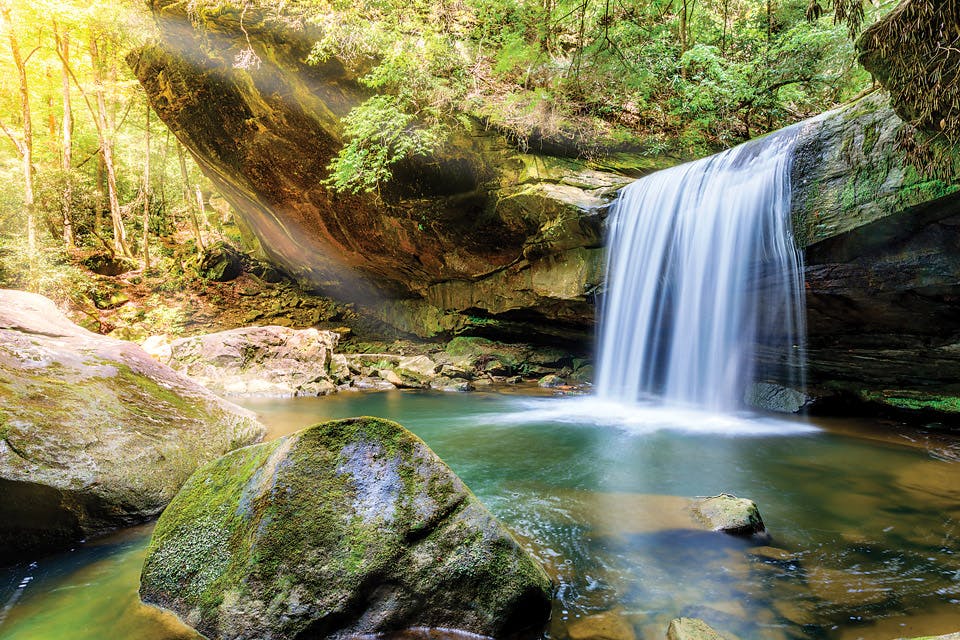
x: 729, y: 514
x: 94, y: 434
x: 346, y: 528
x: 477, y: 230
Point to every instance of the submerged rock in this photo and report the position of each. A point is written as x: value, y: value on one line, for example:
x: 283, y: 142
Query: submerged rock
x: 693, y: 629
x: 272, y: 361
x: 94, y: 434
x: 348, y: 527
x: 729, y: 514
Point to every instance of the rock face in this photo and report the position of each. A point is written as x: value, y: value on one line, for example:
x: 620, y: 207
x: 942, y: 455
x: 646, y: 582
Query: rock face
x: 257, y: 361
x: 94, y: 434
x: 479, y: 229
x: 882, y: 266
x: 345, y: 528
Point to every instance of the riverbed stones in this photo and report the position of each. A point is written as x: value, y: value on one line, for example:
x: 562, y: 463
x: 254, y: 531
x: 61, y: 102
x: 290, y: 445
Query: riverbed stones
x: 729, y: 514
x: 348, y: 527
x: 94, y: 433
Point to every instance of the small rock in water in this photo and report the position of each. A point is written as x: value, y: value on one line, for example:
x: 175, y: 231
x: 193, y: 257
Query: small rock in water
x: 693, y: 629
x: 551, y: 381
x: 729, y: 514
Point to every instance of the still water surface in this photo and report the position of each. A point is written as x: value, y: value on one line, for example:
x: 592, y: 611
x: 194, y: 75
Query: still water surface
x: 865, y: 521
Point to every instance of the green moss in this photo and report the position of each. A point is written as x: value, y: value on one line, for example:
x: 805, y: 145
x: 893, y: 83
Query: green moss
x: 914, y: 401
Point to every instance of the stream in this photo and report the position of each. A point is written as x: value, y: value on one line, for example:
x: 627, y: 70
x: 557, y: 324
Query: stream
x: 864, y: 519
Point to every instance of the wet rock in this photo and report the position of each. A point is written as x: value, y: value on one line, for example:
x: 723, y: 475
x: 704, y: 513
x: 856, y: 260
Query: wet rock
x: 94, y: 433
x: 775, y: 397
x: 775, y: 555
x: 451, y: 384
x: 551, y: 381
x: 729, y: 514
x: 250, y: 361
x: 693, y: 629
x: 345, y: 528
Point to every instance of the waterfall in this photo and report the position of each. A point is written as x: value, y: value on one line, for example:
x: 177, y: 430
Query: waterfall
x: 702, y: 272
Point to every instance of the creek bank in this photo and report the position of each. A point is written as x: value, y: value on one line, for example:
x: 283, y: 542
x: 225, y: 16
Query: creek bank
x: 94, y: 433
x: 279, y: 361
x: 344, y: 528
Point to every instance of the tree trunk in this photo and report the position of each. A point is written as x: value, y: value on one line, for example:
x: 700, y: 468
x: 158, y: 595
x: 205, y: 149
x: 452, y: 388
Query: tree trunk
x: 683, y: 28
x: 188, y: 199
x: 106, y: 151
x: 146, y: 198
x: 25, y: 145
x: 66, y: 137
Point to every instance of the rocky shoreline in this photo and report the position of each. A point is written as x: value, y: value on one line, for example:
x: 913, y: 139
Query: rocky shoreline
x: 283, y: 362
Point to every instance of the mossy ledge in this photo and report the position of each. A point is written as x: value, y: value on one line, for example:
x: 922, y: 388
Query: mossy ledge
x: 347, y: 527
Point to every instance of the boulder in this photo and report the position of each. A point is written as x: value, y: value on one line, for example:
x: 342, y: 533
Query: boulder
x: 729, y: 514
x: 94, y: 433
x: 260, y: 361
x: 221, y: 263
x: 348, y: 527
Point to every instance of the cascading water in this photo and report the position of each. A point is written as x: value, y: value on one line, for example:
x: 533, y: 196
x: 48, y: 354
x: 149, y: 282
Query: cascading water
x: 702, y: 272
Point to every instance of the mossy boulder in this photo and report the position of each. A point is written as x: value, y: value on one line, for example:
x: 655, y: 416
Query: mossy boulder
x: 345, y: 528
x: 94, y: 434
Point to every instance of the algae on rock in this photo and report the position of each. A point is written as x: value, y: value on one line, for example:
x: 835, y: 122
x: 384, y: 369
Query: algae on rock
x: 347, y: 527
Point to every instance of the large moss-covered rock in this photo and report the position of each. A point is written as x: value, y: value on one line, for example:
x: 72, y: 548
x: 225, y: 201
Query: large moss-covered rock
x: 477, y: 229
x: 94, y: 434
x: 348, y: 527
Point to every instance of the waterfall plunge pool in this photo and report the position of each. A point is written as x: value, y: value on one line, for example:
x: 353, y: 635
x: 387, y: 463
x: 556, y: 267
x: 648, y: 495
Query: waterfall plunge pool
x: 864, y: 521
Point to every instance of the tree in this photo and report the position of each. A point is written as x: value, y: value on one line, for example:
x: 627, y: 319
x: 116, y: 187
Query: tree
x: 104, y: 134
x: 62, y: 42
x: 24, y: 143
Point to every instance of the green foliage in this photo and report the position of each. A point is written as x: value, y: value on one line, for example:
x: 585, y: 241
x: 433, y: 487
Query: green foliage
x: 381, y: 132
x: 670, y: 77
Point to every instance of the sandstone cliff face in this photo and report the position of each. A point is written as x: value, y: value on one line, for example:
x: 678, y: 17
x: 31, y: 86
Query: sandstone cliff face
x: 479, y: 230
